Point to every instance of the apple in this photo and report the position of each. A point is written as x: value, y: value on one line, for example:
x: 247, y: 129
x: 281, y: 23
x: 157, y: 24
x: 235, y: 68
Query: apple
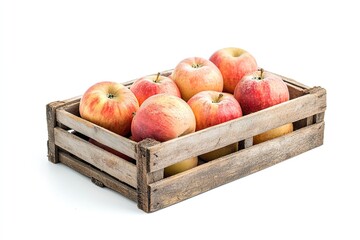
x: 233, y: 63
x: 154, y: 84
x: 113, y: 151
x: 212, y: 108
x: 273, y: 133
x: 220, y: 152
x: 163, y: 117
x: 181, y: 166
x: 193, y: 75
x: 260, y: 90
x: 110, y: 105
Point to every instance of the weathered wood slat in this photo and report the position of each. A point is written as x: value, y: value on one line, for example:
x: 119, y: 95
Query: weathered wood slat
x: 73, y: 108
x: 319, y: 117
x: 295, y: 91
x: 93, y: 173
x: 144, y: 178
x: 229, y: 168
x: 102, y: 135
x: 172, y: 151
x: 103, y: 160
x: 292, y: 81
x: 51, y: 124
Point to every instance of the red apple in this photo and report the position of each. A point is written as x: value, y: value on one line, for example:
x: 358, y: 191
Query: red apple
x: 212, y: 108
x: 110, y: 105
x: 233, y: 63
x: 260, y: 90
x: 163, y: 117
x: 193, y: 75
x: 154, y: 84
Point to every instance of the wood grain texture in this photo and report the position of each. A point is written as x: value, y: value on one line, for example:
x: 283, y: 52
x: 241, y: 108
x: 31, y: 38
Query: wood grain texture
x: 73, y: 108
x: 172, y: 151
x: 295, y: 91
x: 51, y: 124
x: 292, y: 81
x: 100, y: 134
x: 98, y: 157
x: 319, y: 117
x: 248, y: 142
x: 231, y: 167
x: 101, y: 177
x: 144, y: 177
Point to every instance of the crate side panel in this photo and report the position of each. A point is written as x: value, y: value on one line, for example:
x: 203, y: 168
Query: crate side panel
x: 91, y: 172
x: 73, y: 108
x: 173, y: 151
x: 229, y: 168
x: 51, y: 109
x: 102, y: 135
x: 295, y: 91
x: 102, y: 159
x: 293, y: 82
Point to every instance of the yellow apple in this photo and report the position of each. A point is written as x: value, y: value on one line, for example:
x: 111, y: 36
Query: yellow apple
x: 220, y: 152
x: 181, y: 166
x: 273, y: 133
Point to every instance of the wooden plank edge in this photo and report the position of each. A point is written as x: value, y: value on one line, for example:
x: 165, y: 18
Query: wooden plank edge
x: 115, y: 166
x: 144, y: 178
x: 93, y: 173
x: 291, y: 81
x: 51, y: 120
x: 73, y: 108
x: 100, y: 134
x: 296, y: 109
x: 234, y: 166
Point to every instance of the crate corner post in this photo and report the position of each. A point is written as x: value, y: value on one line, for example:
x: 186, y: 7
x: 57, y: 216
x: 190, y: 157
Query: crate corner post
x: 51, y: 124
x: 144, y: 176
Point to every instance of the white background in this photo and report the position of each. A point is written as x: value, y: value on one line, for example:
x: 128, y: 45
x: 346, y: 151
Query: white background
x: 54, y: 50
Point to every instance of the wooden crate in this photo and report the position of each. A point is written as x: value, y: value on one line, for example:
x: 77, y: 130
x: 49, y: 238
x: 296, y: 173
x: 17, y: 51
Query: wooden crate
x: 143, y: 181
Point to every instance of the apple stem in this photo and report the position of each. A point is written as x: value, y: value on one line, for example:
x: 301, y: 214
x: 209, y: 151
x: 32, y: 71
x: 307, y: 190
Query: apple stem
x: 197, y: 65
x: 219, y: 98
x: 261, y: 73
x: 110, y: 96
x: 157, y: 77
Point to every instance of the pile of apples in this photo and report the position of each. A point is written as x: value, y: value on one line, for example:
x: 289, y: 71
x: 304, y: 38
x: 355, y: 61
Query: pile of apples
x: 199, y: 93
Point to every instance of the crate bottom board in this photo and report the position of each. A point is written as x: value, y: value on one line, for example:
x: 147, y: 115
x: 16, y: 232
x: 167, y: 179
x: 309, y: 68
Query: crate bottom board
x: 206, y: 176
x: 98, y: 177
